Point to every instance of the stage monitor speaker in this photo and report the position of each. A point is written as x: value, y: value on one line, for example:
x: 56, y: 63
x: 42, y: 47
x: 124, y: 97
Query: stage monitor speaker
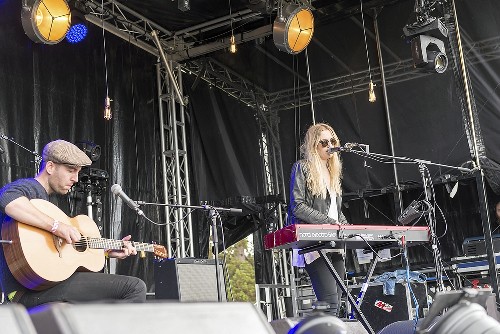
x: 185, y: 318
x: 188, y: 280
x: 381, y: 310
x: 14, y: 319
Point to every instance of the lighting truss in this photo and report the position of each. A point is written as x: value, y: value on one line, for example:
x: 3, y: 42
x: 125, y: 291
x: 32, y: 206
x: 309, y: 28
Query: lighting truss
x: 135, y: 28
x: 126, y: 23
x: 223, y: 78
x: 244, y: 91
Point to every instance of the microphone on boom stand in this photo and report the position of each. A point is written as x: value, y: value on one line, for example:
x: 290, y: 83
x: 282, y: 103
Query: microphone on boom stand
x: 346, y: 148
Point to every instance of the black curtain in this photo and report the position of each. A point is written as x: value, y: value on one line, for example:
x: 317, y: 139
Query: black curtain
x: 57, y: 91
x: 49, y: 92
x: 226, y: 163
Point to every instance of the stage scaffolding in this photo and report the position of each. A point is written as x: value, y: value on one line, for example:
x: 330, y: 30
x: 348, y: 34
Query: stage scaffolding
x: 127, y: 24
x: 179, y: 230
x: 282, y: 270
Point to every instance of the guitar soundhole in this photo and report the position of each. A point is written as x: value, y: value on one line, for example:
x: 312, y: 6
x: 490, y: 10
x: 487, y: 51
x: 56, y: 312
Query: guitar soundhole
x: 82, y: 245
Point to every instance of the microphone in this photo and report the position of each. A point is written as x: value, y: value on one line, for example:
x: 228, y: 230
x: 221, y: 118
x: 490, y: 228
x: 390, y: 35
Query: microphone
x: 332, y: 150
x: 346, y: 148
x: 117, y: 191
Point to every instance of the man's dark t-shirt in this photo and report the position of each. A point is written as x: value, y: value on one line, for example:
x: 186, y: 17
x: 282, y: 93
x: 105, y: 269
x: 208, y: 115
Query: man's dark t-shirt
x: 31, y: 189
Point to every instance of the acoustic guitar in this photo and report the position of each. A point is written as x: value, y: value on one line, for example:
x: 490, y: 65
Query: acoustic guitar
x: 39, y: 260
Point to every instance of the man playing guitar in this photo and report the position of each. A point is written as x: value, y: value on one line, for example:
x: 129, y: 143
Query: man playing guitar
x: 59, y: 171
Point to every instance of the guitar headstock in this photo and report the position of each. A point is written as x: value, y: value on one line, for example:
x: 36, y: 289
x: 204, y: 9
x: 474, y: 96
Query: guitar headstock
x: 160, y: 251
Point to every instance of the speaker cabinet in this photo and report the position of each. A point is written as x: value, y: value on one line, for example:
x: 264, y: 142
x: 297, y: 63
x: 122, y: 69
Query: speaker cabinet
x: 381, y: 310
x: 174, y: 317
x: 188, y: 280
x: 15, y: 320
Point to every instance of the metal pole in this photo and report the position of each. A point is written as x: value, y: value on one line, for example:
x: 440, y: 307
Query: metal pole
x: 185, y: 166
x: 480, y: 184
x: 160, y: 84
x: 310, y: 88
x: 168, y: 68
x: 398, y: 200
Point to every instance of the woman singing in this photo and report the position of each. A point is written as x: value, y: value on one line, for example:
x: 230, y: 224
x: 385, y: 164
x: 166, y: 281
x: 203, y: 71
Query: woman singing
x: 315, y: 198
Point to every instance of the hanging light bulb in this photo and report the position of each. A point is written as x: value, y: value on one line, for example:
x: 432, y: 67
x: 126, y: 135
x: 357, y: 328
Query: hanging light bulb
x: 371, y: 93
x: 232, y: 44
x: 107, y: 108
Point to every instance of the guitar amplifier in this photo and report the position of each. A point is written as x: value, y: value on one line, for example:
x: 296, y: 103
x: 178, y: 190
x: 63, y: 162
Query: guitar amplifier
x: 188, y: 280
x: 381, y: 310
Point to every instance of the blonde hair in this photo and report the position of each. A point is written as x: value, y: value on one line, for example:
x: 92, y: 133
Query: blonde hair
x: 314, y: 164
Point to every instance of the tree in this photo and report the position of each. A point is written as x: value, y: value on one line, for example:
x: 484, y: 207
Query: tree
x: 241, y: 271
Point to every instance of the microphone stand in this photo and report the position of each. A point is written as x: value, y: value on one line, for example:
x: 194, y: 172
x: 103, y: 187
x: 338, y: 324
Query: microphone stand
x: 213, y: 214
x: 422, y: 166
x: 38, y: 157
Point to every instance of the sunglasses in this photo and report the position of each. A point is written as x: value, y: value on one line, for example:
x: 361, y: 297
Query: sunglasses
x: 324, y: 142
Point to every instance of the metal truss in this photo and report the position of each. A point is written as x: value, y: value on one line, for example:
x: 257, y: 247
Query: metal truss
x: 179, y: 228
x: 244, y: 91
x: 135, y: 28
x: 231, y: 83
x: 125, y: 23
x: 275, y: 184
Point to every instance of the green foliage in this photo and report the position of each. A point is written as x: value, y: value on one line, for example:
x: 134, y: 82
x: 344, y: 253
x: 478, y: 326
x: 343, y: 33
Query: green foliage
x: 241, y: 271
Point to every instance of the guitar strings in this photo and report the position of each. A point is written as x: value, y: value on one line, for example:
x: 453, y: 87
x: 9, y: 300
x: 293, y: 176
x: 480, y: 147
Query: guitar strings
x: 96, y: 242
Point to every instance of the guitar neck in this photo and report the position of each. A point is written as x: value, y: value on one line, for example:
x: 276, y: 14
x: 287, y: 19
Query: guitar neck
x: 102, y: 243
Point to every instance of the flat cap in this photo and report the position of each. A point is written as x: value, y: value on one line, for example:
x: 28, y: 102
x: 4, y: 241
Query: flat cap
x: 64, y: 152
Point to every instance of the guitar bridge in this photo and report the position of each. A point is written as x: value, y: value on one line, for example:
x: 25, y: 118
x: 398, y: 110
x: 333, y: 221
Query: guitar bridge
x: 58, y: 244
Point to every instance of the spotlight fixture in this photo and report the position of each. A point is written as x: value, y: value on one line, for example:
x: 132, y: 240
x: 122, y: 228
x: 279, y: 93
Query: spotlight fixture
x: 78, y: 29
x: 93, y: 151
x: 427, y: 47
x: 320, y: 323
x: 293, y: 28
x: 45, y: 21
x: 183, y: 5
x: 429, y: 54
x: 466, y: 313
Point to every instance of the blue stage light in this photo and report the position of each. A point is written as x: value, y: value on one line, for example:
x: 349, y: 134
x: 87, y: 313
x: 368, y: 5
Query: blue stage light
x: 77, y: 33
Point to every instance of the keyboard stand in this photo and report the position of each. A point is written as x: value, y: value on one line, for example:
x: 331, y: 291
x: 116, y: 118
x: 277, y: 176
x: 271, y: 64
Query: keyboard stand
x: 340, y: 282
x: 352, y: 301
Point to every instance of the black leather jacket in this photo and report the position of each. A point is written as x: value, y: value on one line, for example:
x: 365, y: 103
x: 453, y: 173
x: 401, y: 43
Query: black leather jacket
x: 306, y: 208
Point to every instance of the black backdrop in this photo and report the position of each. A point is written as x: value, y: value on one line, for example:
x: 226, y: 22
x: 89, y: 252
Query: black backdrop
x: 49, y: 92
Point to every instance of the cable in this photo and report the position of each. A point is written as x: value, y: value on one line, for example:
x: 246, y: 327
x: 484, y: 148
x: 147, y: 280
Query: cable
x: 371, y: 248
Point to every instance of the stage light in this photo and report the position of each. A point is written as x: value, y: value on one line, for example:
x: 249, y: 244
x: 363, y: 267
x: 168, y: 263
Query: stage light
x: 427, y: 47
x: 93, y: 151
x: 293, y: 28
x: 78, y: 30
x: 466, y: 313
x: 45, y: 21
x: 232, y: 45
x: 429, y: 54
x: 183, y: 5
x: 107, y: 108
x: 320, y: 324
x: 371, y: 93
